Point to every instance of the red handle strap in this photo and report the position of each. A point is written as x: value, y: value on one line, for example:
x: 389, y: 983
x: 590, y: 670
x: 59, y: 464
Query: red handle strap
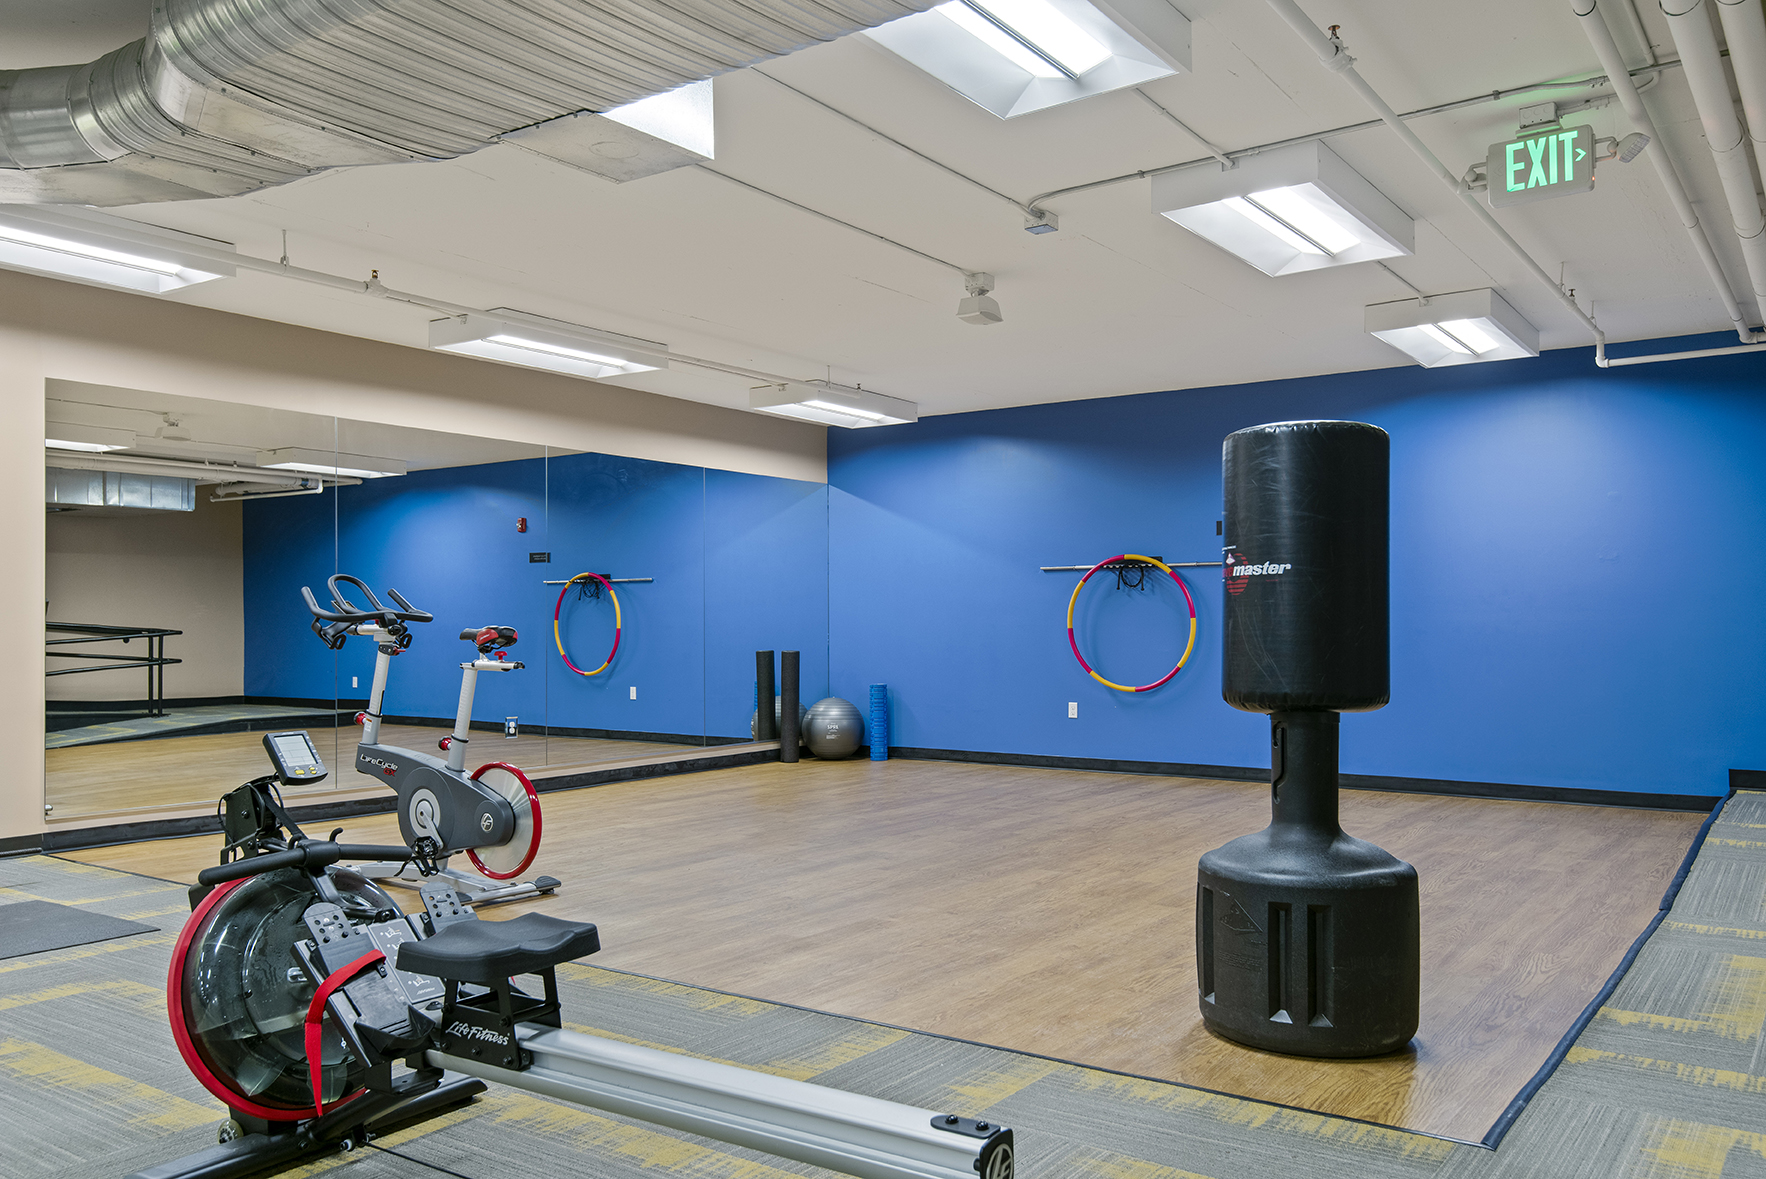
x: 316, y: 1014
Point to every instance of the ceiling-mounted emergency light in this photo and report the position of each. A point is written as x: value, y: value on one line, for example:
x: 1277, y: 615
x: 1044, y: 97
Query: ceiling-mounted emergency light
x: 533, y: 341
x: 87, y: 246
x: 1018, y: 56
x: 833, y: 405
x: 1462, y: 328
x: 1296, y: 208
x: 326, y: 462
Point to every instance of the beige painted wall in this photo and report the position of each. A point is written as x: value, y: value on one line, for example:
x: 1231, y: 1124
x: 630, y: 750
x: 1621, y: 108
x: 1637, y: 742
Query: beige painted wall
x: 56, y: 330
x: 180, y: 570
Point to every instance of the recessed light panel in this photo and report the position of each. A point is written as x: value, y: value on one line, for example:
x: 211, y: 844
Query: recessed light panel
x: 833, y: 405
x: 532, y: 341
x: 1285, y: 211
x: 1018, y: 56
x: 1462, y: 328
x: 95, y: 248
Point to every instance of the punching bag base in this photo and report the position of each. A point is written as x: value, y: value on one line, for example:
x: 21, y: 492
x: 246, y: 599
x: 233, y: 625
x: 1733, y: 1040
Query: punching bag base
x: 1308, y: 944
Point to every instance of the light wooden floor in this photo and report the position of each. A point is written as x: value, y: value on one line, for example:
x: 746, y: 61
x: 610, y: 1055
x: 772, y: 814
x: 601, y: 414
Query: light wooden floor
x: 1052, y: 912
x: 182, y: 771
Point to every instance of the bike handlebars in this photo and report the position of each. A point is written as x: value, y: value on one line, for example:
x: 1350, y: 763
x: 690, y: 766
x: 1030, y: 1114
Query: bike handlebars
x: 347, y: 611
x: 316, y: 853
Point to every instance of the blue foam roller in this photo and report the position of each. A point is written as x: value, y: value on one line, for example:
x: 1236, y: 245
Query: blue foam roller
x: 879, y: 722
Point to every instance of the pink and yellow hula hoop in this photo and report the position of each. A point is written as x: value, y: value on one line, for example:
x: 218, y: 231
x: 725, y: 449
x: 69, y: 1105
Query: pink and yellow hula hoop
x: 1074, y: 643
x: 618, y: 623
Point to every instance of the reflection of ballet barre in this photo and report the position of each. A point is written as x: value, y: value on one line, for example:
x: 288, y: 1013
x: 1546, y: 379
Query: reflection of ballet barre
x: 1116, y: 564
x: 623, y: 580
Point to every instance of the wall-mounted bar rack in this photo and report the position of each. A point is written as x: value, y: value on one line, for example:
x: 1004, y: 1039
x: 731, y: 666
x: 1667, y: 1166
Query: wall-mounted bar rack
x: 1116, y: 564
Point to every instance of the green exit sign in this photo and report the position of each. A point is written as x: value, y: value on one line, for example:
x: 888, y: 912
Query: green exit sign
x: 1552, y: 162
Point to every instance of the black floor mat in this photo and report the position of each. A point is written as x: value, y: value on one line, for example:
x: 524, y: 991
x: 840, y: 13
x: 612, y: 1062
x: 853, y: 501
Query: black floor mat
x: 30, y: 927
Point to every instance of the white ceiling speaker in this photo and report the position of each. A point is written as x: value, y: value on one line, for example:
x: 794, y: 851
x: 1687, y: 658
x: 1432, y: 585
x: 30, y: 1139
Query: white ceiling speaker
x: 1288, y: 210
x: 978, y: 307
x: 1464, y: 327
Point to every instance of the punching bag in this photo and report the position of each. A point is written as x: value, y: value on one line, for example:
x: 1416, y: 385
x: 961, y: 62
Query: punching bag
x: 1307, y: 939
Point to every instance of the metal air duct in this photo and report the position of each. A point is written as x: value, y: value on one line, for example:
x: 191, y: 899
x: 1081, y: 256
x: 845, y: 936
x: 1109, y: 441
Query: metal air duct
x: 227, y: 96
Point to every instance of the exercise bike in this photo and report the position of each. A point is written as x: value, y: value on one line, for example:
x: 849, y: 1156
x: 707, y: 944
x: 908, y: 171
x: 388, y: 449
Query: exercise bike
x: 322, y: 1017
x: 493, y: 814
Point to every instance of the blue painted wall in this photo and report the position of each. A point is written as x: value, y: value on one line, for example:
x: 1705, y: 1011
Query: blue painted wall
x: 1576, y: 572
x: 742, y: 558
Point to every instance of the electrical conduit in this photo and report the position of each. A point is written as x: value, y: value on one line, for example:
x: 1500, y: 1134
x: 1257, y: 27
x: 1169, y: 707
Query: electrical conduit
x: 1697, y: 42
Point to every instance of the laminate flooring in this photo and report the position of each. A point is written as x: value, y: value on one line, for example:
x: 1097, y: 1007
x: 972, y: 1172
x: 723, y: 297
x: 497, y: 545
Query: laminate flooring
x: 1052, y: 912
x: 195, y: 771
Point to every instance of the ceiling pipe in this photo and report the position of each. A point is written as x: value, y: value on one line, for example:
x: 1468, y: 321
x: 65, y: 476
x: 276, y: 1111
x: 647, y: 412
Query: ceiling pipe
x: 1696, y: 41
x: 1600, y: 36
x: 1333, y: 56
x: 202, y: 472
x: 1744, y: 27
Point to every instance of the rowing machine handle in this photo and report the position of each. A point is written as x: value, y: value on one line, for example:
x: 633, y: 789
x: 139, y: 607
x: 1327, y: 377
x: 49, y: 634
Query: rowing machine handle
x: 315, y: 854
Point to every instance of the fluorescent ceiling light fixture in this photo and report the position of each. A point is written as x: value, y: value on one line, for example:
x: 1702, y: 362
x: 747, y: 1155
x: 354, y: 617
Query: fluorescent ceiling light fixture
x: 87, y: 246
x: 325, y: 462
x: 91, y: 439
x: 833, y: 405
x: 1462, y: 328
x: 1284, y: 211
x: 533, y: 341
x: 1018, y: 56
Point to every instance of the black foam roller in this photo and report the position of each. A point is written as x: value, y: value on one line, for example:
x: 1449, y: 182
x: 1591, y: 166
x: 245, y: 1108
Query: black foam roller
x: 1306, y: 618
x: 765, y: 726
x: 790, y: 735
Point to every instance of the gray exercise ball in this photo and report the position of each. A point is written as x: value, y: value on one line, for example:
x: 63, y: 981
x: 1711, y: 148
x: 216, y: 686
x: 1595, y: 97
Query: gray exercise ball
x: 834, y: 729
x: 778, y: 716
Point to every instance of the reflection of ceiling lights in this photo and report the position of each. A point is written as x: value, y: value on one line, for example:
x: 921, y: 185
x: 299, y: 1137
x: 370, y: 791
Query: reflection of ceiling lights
x: 1462, y: 328
x: 1284, y: 211
x: 833, y: 405
x: 325, y: 462
x: 533, y: 341
x: 92, y: 247
x: 92, y: 439
x: 1018, y: 56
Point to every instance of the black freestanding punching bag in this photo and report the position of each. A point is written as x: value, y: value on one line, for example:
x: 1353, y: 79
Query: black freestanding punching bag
x: 1307, y: 938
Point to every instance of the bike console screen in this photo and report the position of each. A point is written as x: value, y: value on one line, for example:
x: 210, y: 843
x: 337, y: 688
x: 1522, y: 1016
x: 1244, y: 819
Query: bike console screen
x: 295, y: 758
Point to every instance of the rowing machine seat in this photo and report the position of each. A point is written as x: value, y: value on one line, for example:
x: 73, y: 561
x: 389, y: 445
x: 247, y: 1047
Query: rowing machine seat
x: 487, y: 952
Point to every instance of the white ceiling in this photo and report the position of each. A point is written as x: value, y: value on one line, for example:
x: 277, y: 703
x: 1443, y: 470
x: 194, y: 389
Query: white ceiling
x: 1118, y: 301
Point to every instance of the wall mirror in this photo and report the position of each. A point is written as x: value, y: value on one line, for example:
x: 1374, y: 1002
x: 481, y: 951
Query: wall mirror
x: 182, y: 530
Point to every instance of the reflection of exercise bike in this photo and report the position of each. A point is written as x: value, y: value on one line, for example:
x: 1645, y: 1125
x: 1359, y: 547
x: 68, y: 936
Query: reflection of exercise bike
x: 297, y: 988
x: 493, y: 814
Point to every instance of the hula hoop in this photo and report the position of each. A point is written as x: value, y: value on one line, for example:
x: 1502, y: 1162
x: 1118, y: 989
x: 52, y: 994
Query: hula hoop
x: 618, y: 623
x: 1074, y: 643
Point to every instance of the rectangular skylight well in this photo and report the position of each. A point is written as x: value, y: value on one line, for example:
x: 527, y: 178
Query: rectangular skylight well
x: 1463, y: 327
x: 1018, y: 56
x: 1286, y: 210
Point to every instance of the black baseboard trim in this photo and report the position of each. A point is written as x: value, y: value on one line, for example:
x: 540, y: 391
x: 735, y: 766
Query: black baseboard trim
x: 1508, y: 791
x: 1747, y: 780
x: 660, y: 769
x: 148, y: 829
x: 137, y: 704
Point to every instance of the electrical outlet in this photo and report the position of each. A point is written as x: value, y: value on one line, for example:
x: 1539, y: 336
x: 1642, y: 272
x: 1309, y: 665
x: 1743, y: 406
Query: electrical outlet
x: 355, y: 681
x: 1072, y: 710
x: 634, y: 691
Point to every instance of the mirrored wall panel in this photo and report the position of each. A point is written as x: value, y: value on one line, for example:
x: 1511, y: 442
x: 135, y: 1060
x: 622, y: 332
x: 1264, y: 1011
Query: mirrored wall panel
x: 612, y: 605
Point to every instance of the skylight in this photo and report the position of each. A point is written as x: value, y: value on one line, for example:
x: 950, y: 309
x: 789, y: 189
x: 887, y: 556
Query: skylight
x: 1018, y: 56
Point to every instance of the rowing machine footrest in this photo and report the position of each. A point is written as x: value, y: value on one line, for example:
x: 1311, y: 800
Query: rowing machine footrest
x: 488, y: 952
